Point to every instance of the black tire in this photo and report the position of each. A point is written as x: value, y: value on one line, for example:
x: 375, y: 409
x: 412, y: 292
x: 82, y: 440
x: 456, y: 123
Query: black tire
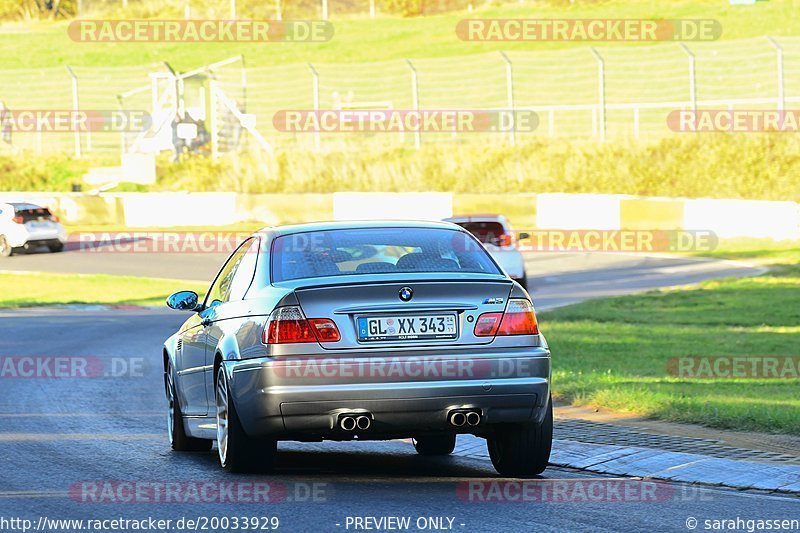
x: 55, y: 248
x: 435, y: 444
x: 178, y: 438
x: 522, y: 450
x: 240, y: 453
x: 5, y: 249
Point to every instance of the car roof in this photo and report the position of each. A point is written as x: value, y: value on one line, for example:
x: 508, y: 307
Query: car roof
x: 21, y: 205
x: 357, y: 224
x: 478, y: 218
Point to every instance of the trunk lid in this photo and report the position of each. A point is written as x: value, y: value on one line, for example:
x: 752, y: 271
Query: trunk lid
x: 423, y: 320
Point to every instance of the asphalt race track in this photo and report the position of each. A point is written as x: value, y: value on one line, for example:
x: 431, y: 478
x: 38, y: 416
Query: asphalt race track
x: 94, y: 447
x: 59, y: 433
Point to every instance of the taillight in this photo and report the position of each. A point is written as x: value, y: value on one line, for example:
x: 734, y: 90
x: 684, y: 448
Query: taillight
x: 518, y: 319
x: 487, y: 324
x: 505, y: 240
x: 325, y: 329
x: 53, y: 218
x: 287, y: 325
x: 18, y: 220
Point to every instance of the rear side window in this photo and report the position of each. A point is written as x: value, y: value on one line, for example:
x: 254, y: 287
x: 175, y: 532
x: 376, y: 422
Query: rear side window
x: 376, y: 251
x: 486, y: 232
x: 29, y: 215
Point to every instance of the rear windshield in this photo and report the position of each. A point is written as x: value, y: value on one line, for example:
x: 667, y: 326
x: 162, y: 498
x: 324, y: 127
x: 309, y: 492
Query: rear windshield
x: 486, y: 232
x: 29, y: 215
x: 375, y: 251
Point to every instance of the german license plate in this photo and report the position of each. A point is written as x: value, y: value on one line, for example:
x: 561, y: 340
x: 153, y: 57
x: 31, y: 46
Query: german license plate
x: 401, y: 328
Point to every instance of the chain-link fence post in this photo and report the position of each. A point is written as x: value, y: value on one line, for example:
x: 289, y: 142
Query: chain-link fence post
x: 601, y: 92
x: 414, y: 99
x: 512, y: 136
x: 324, y: 9
x: 781, y: 86
x: 315, y: 97
x: 75, y: 108
x: 692, y: 76
x: 278, y: 14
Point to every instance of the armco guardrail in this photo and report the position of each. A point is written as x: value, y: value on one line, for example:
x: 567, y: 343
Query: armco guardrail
x: 725, y: 218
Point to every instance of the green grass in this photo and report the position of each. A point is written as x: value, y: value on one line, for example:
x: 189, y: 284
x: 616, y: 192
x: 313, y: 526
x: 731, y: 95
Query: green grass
x: 614, y: 352
x: 745, y: 166
x: 37, y: 289
x: 363, y: 39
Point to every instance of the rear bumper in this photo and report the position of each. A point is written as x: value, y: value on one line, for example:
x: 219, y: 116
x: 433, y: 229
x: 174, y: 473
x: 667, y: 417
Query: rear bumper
x: 20, y: 237
x: 302, y: 398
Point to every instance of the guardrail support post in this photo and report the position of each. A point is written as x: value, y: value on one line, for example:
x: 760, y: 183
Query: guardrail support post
x: 414, y: 98
x: 601, y: 92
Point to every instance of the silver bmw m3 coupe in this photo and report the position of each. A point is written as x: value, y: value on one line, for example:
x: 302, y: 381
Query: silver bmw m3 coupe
x: 361, y: 330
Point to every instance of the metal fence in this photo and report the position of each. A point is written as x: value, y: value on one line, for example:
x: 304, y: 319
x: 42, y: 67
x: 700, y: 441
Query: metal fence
x: 600, y: 93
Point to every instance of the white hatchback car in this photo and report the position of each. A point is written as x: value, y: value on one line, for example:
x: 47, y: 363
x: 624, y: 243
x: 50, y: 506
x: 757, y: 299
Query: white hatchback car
x: 27, y: 227
x: 496, y: 234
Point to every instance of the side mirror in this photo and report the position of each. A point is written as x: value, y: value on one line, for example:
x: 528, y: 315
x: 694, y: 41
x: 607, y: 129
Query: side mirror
x: 523, y: 235
x: 183, y: 301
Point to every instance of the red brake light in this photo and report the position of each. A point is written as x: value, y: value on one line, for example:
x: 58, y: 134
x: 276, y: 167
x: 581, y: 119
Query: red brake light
x: 487, y: 324
x: 287, y: 325
x: 53, y: 218
x: 18, y: 220
x: 505, y: 240
x: 519, y: 319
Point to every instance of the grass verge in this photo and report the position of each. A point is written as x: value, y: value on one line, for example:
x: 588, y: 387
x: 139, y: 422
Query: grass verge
x: 614, y: 352
x: 749, y: 166
x: 360, y: 39
x: 37, y: 289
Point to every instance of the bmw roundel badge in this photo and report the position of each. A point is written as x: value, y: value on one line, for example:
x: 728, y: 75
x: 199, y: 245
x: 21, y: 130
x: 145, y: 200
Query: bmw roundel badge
x: 406, y: 294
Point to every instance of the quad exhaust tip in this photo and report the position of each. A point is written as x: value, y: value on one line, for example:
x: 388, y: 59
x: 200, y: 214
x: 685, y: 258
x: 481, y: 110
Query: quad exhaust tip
x: 458, y: 419
x: 355, y: 421
x: 363, y: 422
x: 462, y: 417
x: 347, y: 423
x: 473, y: 418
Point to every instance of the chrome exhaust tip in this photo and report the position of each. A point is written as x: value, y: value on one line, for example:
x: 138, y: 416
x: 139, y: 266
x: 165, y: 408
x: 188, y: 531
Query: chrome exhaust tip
x: 458, y: 419
x: 347, y: 423
x: 363, y: 422
x: 473, y: 418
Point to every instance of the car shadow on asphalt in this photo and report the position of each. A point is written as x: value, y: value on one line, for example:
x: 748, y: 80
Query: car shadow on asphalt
x: 390, y: 460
